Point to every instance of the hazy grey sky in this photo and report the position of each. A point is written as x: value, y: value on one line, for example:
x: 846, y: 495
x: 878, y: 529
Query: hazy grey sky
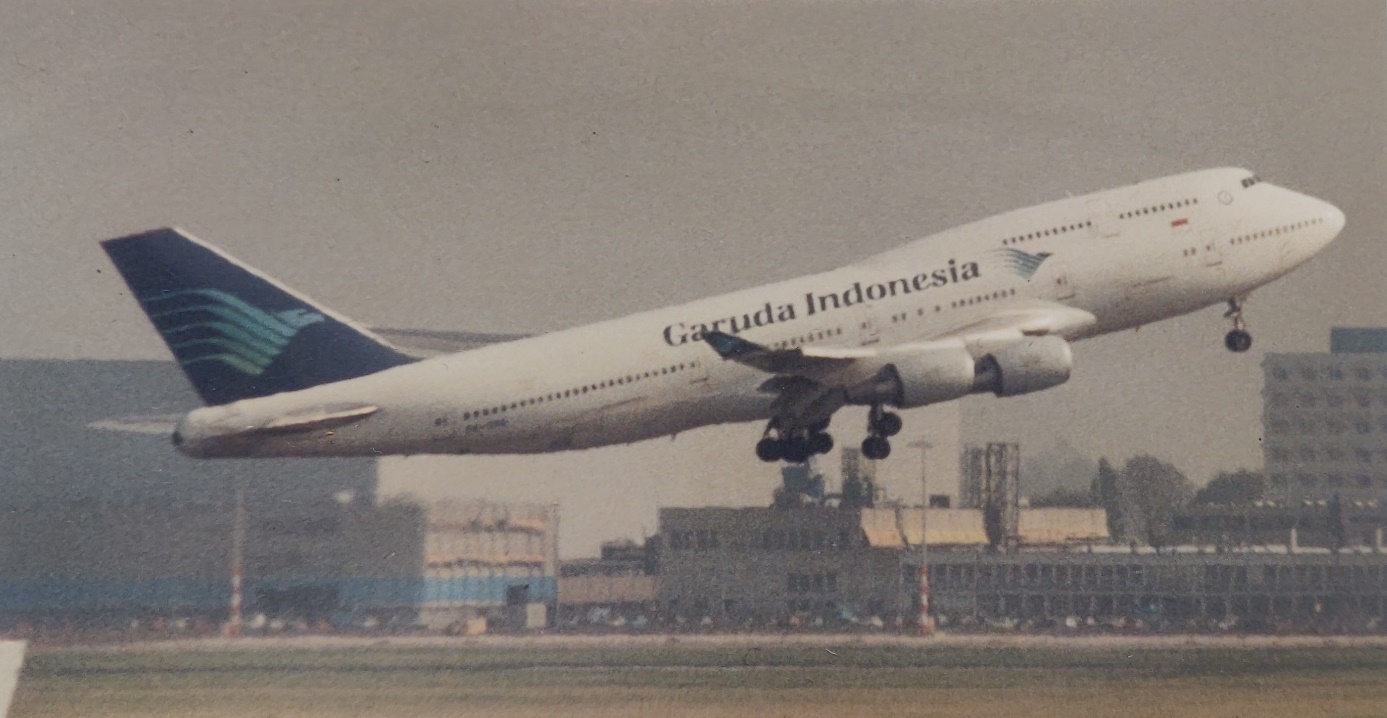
x: 527, y: 166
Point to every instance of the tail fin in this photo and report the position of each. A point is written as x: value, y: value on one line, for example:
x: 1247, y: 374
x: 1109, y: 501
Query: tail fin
x: 237, y: 333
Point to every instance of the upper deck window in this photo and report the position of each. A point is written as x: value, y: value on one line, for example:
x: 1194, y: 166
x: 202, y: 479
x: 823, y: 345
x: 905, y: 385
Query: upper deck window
x: 1249, y: 181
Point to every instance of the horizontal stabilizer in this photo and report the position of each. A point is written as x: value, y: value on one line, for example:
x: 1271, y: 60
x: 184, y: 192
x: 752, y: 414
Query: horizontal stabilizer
x: 430, y: 342
x: 160, y: 424
x: 325, y: 417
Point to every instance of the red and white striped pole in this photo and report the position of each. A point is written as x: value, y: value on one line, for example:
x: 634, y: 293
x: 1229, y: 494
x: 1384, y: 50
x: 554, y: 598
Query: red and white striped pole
x: 925, y: 621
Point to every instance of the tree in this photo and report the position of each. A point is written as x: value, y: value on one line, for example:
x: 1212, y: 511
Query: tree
x: 1065, y: 498
x: 1104, y: 491
x: 1240, y: 487
x: 1150, y: 491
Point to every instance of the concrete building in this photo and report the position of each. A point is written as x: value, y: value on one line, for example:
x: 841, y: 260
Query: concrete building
x: 1325, y: 420
x: 396, y: 563
x: 763, y: 565
x: 830, y: 567
x: 104, y: 525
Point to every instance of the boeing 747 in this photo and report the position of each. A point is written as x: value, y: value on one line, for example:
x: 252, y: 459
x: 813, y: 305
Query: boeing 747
x: 988, y: 307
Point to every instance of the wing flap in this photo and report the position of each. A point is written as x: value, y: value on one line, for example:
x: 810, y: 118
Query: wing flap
x: 800, y: 360
x: 1034, y: 320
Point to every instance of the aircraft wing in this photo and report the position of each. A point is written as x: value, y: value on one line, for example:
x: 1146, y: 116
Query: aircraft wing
x: 980, y: 335
x: 800, y: 360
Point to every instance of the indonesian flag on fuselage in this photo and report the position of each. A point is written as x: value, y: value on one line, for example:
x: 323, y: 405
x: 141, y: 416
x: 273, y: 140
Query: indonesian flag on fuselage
x: 1179, y: 222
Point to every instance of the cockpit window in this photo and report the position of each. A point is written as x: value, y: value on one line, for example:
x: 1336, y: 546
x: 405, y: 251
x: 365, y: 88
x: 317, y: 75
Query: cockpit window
x: 1249, y: 181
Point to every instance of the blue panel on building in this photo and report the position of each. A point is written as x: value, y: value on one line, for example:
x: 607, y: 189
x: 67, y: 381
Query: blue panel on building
x: 1358, y: 340
x: 80, y: 595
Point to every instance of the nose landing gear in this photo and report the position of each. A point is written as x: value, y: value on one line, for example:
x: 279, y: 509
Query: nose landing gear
x: 1238, y: 340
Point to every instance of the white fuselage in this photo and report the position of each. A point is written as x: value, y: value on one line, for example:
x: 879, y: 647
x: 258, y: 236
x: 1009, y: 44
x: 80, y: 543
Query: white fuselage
x: 1129, y: 256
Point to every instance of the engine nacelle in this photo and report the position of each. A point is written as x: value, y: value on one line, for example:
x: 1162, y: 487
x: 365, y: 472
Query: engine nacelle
x: 929, y: 377
x: 1029, y: 365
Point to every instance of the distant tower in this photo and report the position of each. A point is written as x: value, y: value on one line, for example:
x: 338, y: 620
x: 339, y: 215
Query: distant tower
x: 990, y: 483
x: 859, y: 480
x: 973, y: 466
x: 800, y: 484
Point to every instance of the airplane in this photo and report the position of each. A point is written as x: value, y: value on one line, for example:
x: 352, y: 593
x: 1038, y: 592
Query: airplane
x: 987, y: 307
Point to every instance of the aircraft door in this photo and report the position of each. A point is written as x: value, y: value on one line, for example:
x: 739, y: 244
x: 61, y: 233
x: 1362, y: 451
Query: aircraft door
x: 1104, y: 222
x: 1060, y: 278
x: 1213, y: 253
x: 868, y: 328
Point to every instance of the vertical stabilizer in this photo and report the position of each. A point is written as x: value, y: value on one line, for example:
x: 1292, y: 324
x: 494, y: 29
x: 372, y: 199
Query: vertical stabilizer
x: 237, y: 333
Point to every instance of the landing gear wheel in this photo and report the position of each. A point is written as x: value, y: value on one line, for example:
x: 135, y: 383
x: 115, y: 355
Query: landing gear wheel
x: 876, y: 447
x: 1237, y: 340
x: 769, y: 450
x: 820, y: 443
x: 797, y: 450
x: 888, y: 424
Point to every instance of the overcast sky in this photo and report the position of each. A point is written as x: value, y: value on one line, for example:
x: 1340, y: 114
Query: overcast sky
x: 527, y: 166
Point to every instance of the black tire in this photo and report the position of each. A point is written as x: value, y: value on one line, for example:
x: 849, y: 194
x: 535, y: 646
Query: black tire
x: 769, y: 450
x: 1238, y: 341
x: 888, y: 424
x: 876, y: 447
x: 820, y: 443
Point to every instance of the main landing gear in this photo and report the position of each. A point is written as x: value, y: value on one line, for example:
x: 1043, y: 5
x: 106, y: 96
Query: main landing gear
x: 881, y: 425
x: 796, y: 446
x: 1237, y: 340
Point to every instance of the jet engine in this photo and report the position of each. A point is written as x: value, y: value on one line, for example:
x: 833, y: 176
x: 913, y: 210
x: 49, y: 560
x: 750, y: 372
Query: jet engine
x: 929, y: 377
x: 913, y: 379
x: 1029, y: 365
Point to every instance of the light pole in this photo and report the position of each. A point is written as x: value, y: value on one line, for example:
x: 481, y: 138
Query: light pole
x: 926, y: 622
x: 238, y: 560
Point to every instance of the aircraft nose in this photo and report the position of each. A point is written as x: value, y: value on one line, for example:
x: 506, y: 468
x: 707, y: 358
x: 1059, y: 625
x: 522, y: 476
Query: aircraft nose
x: 1334, y: 217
